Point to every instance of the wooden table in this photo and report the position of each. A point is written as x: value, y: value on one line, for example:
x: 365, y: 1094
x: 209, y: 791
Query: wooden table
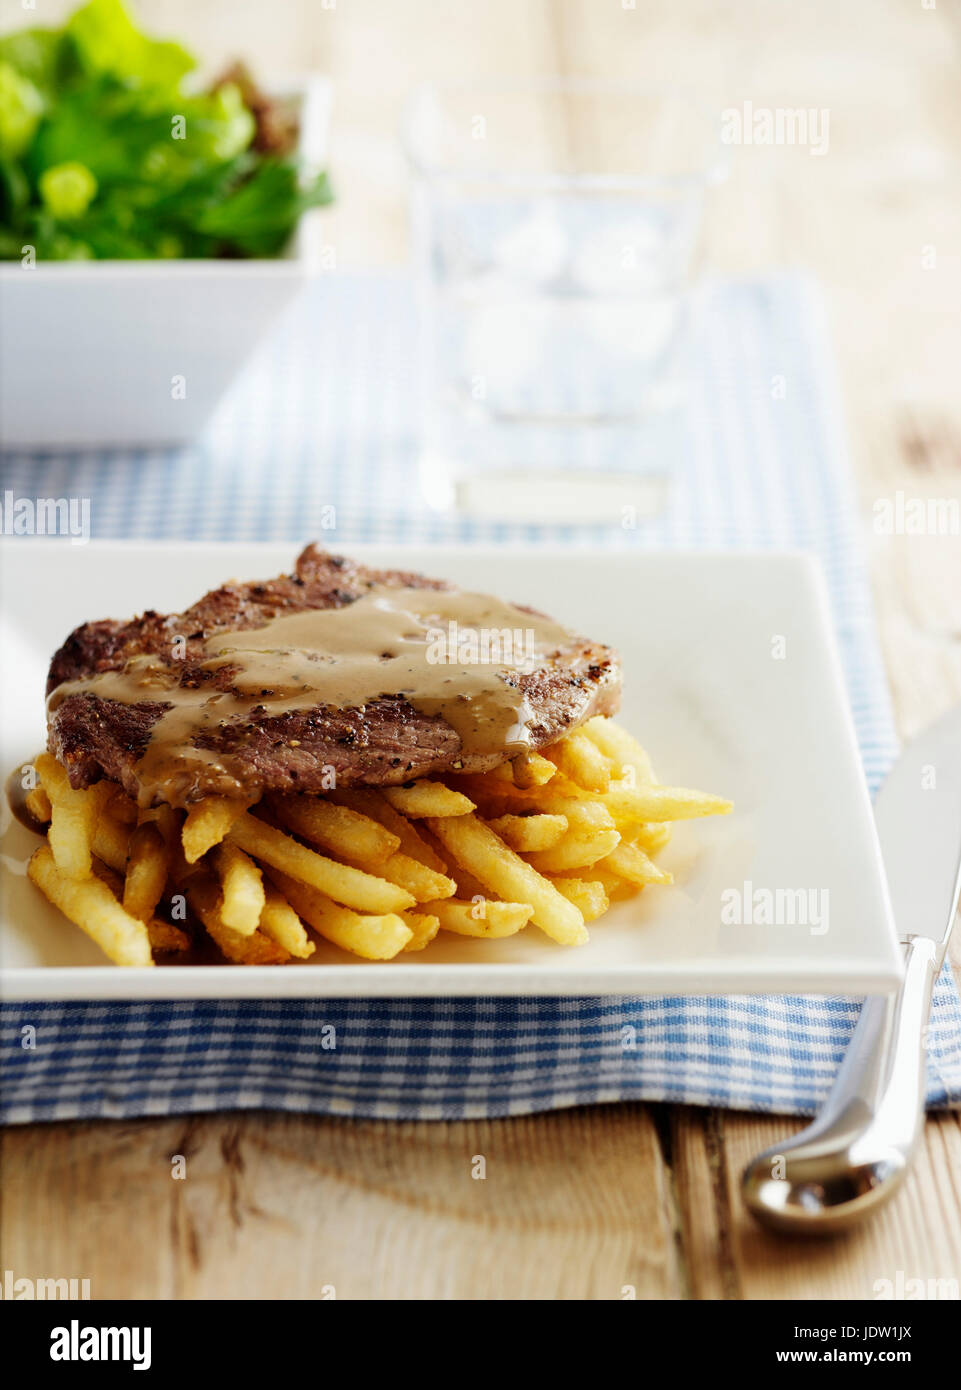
x: 591, y: 1203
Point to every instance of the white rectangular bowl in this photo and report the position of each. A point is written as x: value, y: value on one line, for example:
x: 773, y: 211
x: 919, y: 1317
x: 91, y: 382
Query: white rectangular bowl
x: 703, y: 690
x: 91, y: 349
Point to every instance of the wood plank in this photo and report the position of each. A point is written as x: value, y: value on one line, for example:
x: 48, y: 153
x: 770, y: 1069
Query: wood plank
x: 573, y: 1205
x: 83, y: 1201
x: 698, y: 1172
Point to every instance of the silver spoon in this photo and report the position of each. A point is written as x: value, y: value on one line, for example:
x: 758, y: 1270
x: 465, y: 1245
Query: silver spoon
x: 859, y: 1149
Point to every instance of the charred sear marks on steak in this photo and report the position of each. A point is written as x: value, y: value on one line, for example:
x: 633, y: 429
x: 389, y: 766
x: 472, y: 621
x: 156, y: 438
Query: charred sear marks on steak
x: 384, y: 743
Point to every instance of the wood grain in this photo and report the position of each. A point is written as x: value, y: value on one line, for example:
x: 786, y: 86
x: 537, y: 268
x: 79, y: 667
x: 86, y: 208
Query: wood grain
x: 582, y: 1204
x: 570, y: 1205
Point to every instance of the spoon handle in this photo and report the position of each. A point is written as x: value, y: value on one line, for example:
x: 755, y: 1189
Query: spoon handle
x: 855, y: 1154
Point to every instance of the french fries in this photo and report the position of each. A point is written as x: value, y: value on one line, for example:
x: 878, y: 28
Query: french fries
x: 242, y: 886
x: 71, y: 820
x: 630, y: 862
x: 467, y: 885
x: 207, y: 823
x: 547, y: 839
x: 588, y: 895
x: 89, y: 903
x: 421, y: 882
x: 651, y: 836
x: 379, y: 937
x: 165, y: 938
x: 344, y: 884
x: 470, y: 841
x: 147, y: 868
x: 111, y: 842
x: 334, y: 827
x: 527, y: 770
x: 38, y: 805
x: 581, y: 761
x: 367, y: 843
x: 578, y: 850
x: 412, y: 842
x: 423, y: 799
x: 253, y: 948
x: 424, y: 926
x: 656, y: 803
x: 484, y: 919
x: 280, y: 922
x: 614, y: 886
x: 529, y: 833
x: 621, y: 749
x: 532, y: 770
x: 495, y: 799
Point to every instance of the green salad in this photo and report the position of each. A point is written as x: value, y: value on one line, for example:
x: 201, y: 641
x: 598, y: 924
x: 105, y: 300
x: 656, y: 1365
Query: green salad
x: 107, y: 153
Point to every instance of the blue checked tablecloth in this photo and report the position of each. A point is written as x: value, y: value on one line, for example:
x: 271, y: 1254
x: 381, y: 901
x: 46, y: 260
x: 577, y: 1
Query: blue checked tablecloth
x: 327, y: 416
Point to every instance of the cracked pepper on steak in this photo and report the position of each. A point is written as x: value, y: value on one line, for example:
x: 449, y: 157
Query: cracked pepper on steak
x: 382, y: 743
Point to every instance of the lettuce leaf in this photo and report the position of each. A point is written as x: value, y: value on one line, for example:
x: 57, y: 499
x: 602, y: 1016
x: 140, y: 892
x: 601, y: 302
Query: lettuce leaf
x: 103, y: 153
x: 106, y: 41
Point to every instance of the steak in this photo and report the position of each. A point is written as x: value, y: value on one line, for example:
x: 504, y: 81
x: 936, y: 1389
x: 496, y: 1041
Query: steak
x: 384, y: 742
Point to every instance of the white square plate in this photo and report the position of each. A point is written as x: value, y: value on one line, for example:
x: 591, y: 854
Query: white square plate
x: 706, y: 690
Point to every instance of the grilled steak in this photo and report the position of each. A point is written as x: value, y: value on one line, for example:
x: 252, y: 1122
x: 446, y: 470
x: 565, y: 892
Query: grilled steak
x: 382, y: 742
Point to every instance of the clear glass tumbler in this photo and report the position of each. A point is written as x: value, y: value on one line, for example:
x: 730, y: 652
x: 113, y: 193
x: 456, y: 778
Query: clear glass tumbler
x: 555, y: 230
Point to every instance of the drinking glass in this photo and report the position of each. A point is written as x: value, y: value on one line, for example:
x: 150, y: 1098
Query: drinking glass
x: 555, y: 232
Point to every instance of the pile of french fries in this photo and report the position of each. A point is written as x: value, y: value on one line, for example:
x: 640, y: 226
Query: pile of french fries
x: 547, y: 840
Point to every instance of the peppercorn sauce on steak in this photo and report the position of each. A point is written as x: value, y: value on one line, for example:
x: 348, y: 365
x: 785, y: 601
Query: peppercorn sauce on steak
x: 334, y: 675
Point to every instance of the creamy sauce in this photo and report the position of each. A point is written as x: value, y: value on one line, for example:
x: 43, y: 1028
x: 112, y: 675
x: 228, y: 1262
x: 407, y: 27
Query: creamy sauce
x: 452, y: 654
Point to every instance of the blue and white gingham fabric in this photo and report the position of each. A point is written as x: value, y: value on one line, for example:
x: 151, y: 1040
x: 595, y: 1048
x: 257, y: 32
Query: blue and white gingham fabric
x: 327, y: 416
